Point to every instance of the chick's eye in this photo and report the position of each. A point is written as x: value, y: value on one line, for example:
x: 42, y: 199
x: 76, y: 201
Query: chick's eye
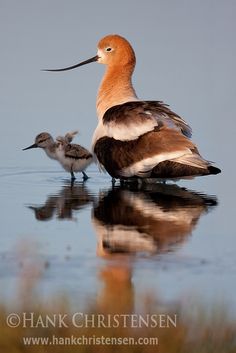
x: 108, y: 49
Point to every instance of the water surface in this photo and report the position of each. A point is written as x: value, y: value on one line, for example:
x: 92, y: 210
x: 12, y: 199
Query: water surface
x: 166, y: 240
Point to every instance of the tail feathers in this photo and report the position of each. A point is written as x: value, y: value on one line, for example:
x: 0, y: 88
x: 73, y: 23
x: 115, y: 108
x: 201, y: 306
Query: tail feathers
x: 175, y: 170
x: 196, y: 161
x: 213, y: 170
x: 193, y: 160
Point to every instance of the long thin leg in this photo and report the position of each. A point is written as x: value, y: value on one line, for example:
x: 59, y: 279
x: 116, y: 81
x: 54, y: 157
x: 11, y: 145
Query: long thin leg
x: 72, y: 175
x: 85, y: 177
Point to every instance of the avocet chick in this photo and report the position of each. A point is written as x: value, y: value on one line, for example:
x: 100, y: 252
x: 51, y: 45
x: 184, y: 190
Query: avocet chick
x: 45, y: 141
x: 73, y: 157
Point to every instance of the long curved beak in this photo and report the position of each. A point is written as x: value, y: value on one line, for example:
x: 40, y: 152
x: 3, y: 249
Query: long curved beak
x: 32, y: 146
x: 94, y: 58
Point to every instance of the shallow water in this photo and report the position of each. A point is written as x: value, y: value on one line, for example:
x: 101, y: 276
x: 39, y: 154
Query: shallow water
x: 78, y: 239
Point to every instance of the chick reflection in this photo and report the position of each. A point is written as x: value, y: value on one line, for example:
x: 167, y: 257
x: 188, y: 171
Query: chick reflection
x: 70, y: 198
x: 150, y: 221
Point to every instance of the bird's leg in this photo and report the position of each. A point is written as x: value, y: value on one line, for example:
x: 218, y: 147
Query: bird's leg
x: 85, y: 177
x: 122, y: 182
x: 72, y: 175
x: 140, y: 183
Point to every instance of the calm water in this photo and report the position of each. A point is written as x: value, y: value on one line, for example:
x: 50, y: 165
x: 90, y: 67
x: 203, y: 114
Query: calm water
x: 170, y: 241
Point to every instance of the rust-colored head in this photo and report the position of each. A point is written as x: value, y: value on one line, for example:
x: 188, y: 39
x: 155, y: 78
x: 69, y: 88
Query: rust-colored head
x: 115, y: 50
x: 112, y: 50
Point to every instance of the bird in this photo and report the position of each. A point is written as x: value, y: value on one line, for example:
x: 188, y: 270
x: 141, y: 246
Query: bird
x: 45, y: 141
x: 73, y: 157
x: 138, y: 138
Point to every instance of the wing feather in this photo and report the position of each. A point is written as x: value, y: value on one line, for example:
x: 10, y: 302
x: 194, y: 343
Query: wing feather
x: 76, y: 152
x: 130, y: 120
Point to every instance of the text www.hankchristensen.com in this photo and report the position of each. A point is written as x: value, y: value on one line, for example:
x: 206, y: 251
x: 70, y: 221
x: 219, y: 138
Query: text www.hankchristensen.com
x: 84, y: 340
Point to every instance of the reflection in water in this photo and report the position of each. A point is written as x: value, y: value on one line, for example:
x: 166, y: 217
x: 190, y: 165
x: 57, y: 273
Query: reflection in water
x: 151, y: 221
x: 117, y: 293
x: 129, y: 221
x: 72, y: 197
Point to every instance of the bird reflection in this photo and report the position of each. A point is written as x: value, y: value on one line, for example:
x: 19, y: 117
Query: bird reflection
x: 131, y: 221
x: 62, y: 205
x: 152, y: 220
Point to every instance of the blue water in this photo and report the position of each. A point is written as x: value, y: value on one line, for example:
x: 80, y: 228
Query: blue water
x: 174, y: 242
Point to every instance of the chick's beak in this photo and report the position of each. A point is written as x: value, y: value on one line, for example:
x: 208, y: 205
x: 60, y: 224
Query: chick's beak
x: 32, y: 146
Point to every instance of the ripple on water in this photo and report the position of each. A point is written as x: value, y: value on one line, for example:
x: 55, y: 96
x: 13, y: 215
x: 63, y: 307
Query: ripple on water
x: 42, y: 176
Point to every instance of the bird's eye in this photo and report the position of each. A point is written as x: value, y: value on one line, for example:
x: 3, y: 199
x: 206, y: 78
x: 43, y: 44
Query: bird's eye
x: 109, y: 49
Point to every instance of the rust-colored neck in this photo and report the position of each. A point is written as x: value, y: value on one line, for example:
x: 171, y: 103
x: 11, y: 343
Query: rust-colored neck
x: 116, y: 88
